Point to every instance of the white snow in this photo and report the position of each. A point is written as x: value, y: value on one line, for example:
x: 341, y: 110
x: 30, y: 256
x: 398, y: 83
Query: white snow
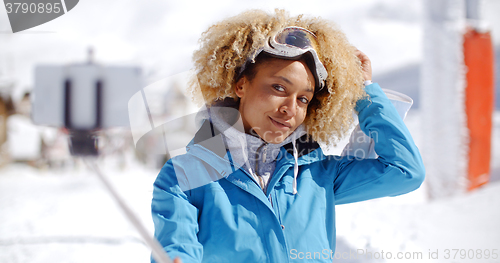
x: 24, y: 138
x: 67, y: 216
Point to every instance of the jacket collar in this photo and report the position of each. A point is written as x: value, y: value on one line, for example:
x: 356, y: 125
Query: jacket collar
x: 209, y: 141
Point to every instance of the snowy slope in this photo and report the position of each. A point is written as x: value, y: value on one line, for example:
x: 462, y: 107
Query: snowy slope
x: 67, y: 216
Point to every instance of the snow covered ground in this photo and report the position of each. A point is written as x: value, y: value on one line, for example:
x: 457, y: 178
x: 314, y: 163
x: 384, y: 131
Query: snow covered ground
x: 67, y: 216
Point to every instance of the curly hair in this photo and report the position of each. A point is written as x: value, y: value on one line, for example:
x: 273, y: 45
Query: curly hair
x: 227, y: 45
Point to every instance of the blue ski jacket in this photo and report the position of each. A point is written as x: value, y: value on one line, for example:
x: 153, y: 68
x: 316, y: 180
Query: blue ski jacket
x: 205, y: 210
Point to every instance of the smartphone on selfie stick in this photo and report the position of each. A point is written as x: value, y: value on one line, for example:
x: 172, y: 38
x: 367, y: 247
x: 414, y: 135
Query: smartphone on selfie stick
x: 85, y: 98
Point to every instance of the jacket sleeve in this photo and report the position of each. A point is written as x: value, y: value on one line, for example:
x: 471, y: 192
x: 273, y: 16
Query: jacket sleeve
x: 398, y: 169
x: 175, y: 218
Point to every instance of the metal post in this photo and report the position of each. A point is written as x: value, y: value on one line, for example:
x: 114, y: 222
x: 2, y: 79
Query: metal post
x: 158, y: 253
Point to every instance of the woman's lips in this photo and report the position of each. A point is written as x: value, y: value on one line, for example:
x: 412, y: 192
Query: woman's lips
x: 280, y: 124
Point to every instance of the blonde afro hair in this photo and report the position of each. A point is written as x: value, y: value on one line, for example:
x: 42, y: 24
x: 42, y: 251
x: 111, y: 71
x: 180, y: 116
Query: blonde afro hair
x: 226, y: 46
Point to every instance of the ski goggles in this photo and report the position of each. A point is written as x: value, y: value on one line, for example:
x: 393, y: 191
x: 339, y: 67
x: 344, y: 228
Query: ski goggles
x: 293, y: 43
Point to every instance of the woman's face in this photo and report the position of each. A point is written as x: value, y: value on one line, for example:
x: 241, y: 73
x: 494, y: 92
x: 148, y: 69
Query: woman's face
x: 274, y: 103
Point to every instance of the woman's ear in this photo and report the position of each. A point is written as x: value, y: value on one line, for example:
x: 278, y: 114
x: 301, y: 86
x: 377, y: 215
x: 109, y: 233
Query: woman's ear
x: 240, y: 87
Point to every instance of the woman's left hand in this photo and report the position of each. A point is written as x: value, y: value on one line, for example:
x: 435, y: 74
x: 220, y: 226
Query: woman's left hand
x: 366, y: 64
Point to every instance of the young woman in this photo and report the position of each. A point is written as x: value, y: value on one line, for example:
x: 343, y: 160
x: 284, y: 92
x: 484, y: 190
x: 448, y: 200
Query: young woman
x: 254, y: 185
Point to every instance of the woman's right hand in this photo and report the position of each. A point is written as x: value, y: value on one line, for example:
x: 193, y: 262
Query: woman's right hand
x: 177, y: 260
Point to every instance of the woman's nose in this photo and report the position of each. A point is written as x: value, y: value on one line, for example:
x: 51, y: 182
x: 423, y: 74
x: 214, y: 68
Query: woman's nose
x: 289, y: 107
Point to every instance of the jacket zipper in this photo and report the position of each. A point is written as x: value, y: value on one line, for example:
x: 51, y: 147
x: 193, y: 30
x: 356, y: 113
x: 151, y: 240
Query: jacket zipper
x: 280, y: 222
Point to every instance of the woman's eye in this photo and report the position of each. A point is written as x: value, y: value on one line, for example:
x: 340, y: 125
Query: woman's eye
x: 278, y: 87
x: 304, y: 100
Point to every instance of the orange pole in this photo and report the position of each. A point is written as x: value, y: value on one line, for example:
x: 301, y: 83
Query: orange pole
x: 479, y: 95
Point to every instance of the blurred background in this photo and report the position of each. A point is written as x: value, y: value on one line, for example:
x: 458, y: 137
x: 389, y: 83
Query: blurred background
x: 53, y: 209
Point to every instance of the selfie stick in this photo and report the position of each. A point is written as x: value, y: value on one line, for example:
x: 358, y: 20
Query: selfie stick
x: 158, y: 253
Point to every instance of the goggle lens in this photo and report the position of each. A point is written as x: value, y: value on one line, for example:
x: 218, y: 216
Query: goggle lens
x: 297, y: 37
